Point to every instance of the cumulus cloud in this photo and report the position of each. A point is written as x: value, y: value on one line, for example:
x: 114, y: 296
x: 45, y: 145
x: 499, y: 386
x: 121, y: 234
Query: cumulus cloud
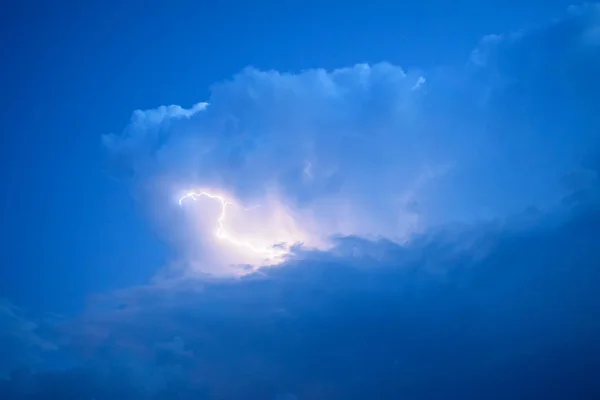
x: 321, y: 152
x: 369, y: 150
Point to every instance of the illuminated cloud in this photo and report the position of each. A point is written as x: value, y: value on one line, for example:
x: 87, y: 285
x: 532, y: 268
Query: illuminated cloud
x: 369, y: 150
x: 252, y: 248
x: 323, y: 153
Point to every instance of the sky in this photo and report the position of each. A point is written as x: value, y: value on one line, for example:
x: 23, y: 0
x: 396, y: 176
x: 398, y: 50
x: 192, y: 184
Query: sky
x: 408, y: 200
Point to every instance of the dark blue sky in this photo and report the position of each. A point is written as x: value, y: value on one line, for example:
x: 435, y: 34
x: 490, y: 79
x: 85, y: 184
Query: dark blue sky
x: 492, y: 155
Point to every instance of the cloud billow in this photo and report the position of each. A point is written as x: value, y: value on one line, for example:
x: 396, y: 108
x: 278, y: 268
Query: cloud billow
x: 373, y: 150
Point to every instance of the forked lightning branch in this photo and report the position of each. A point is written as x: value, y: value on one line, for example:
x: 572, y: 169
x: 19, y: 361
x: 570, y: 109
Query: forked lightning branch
x: 222, y: 232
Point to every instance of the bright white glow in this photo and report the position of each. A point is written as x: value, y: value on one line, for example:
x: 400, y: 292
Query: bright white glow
x: 224, y: 234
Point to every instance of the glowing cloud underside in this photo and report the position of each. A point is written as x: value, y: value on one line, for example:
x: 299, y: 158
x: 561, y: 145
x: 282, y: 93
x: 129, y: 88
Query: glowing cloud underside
x: 224, y: 234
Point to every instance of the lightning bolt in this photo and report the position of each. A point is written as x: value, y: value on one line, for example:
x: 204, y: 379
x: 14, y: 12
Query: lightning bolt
x: 222, y: 233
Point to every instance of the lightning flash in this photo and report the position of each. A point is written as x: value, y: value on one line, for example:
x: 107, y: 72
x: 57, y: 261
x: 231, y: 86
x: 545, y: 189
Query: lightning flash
x: 222, y: 232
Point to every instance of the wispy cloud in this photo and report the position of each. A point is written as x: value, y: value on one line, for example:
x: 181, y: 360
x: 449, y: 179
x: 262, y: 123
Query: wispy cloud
x: 25, y: 340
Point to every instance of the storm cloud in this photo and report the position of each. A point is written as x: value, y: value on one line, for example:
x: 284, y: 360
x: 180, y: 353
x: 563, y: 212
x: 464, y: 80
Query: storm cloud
x: 461, y: 208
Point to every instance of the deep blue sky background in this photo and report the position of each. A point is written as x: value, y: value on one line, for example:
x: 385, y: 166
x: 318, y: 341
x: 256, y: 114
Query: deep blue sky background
x: 521, y: 287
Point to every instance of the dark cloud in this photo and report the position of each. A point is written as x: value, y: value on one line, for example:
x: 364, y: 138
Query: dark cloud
x: 506, y: 310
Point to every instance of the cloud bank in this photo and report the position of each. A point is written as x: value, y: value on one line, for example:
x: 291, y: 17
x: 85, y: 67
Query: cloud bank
x: 495, y: 311
x: 441, y: 282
